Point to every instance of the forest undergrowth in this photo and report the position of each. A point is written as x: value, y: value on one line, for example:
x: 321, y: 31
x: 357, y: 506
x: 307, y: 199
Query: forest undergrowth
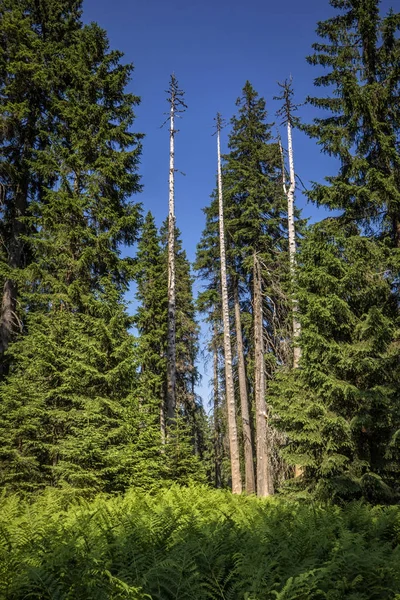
x: 196, y: 543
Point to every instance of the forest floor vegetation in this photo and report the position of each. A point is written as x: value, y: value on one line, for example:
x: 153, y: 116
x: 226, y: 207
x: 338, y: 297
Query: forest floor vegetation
x: 196, y: 543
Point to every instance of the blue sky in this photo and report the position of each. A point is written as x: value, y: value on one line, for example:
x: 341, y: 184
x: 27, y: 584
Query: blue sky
x: 213, y: 46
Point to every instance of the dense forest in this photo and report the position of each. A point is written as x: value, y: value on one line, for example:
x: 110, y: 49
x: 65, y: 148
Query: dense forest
x: 117, y: 480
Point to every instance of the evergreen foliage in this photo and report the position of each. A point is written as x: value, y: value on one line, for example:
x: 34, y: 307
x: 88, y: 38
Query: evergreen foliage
x: 361, y: 51
x: 256, y: 220
x: 63, y: 410
x: 186, y: 328
x: 35, y: 38
x: 173, y: 453
x: 92, y: 410
x: 208, y: 269
x: 151, y: 323
x: 341, y: 409
x: 64, y: 406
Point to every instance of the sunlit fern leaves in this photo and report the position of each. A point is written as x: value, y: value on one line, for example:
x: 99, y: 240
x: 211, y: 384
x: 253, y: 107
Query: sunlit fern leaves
x: 196, y: 544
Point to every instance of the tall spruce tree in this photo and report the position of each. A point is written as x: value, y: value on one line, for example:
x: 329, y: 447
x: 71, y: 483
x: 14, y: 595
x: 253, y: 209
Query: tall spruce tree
x: 361, y: 51
x: 63, y: 410
x: 186, y: 441
x: 341, y: 410
x: 151, y: 319
x: 256, y: 221
x: 186, y: 329
x: 34, y: 39
x: 172, y: 457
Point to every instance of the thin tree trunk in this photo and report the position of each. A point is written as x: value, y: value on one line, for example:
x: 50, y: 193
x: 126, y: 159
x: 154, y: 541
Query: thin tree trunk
x: 162, y: 423
x: 171, y: 342
x: 289, y: 192
x: 265, y: 485
x: 9, y: 321
x: 230, y: 392
x: 217, y: 432
x: 292, y: 247
x: 244, y: 402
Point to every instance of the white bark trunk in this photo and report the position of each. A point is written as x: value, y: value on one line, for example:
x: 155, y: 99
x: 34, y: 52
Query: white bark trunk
x: 265, y: 486
x: 289, y: 193
x: 298, y: 470
x: 292, y: 246
x: 171, y: 344
x: 250, y: 483
x: 230, y: 392
x: 217, y: 445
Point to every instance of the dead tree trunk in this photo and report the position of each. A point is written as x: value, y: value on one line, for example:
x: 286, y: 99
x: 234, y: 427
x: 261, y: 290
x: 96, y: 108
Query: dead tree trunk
x: 292, y: 246
x: 244, y: 401
x: 230, y: 392
x: 175, y: 98
x: 265, y: 486
x: 287, y: 113
x: 217, y: 430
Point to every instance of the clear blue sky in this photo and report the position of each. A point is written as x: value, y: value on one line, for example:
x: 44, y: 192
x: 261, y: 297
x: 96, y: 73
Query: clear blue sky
x: 213, y: 46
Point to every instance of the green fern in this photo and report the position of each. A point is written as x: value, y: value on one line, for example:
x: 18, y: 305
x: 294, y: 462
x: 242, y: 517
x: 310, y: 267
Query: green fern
x: 196, y: 544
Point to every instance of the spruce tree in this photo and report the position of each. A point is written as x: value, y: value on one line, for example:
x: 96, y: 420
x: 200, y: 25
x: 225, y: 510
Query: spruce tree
x: 361, y: 51
x: 341, y: 409
x: 151, y: 319
x: 172, y: 454
x: 186, y: 439
x: 186, y: 327
x: 73, y: 372
x: 34, y: 39
x: 256, y: 222
x: 64, y: 410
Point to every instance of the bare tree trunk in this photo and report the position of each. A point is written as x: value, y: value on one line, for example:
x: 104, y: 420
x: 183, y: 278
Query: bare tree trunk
x: 230, y: 392
x: 244, y: 402
x: 286, y: 111
x: 292, y: 247
x: 265, y: 485
x: 217, y: 432
x: 289, y: 192
x: 171, y: 345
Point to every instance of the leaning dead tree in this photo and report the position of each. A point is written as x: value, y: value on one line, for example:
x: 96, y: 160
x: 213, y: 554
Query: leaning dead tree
x: 229, y: 384
x: 289, y: 188
x: 177, y: 106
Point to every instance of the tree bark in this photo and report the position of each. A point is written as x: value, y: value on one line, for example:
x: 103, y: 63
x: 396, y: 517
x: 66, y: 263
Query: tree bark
x: 171, y: 342
x: 289, y: 193
x: 250, y: 483
x: 292, y: 247
x: 230, y: 392
x: 265, y: 486
x: 9, y: 322
x: 217, y: 432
